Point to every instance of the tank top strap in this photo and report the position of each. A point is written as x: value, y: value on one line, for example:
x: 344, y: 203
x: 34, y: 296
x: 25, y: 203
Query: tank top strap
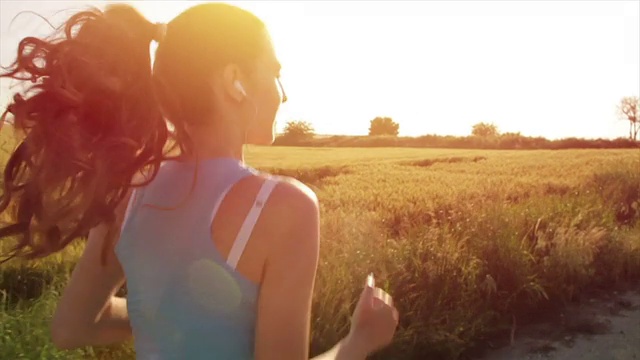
x: 220, y: 195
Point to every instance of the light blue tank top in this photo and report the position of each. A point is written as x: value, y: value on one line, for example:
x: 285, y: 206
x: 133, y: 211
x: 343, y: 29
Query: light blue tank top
x: 185, y: 301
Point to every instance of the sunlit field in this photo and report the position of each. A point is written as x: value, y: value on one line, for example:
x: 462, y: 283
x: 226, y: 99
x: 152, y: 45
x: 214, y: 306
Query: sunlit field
x: 467, y: 241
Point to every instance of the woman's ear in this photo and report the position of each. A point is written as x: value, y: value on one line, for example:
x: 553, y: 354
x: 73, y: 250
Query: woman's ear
x: 232, y: 83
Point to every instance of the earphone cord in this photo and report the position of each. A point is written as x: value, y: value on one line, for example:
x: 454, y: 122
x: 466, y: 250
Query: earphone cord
x: 255, y: 114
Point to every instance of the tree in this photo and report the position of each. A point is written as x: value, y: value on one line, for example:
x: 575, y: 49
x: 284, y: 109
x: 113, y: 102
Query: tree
x: 511, y: 140
x: 484, y: 130
x: 298, y: 131
x: 384, y: 126
x: 629, y: 109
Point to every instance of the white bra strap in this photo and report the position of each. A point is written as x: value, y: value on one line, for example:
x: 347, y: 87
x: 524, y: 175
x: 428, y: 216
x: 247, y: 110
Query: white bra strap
x: 249, y: 222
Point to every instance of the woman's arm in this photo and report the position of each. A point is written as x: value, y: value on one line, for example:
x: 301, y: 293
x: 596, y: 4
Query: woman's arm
x: 88, y: 312
x: 284, y: 304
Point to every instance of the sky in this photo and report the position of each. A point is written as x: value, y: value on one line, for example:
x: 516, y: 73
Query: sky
x: 543, y: 68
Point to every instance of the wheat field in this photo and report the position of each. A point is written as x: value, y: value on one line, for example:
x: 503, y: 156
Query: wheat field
x: 465, y: 240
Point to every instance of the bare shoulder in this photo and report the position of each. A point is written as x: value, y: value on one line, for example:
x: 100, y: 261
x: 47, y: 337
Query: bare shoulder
x: 293, y: 212
x: 292, y: 192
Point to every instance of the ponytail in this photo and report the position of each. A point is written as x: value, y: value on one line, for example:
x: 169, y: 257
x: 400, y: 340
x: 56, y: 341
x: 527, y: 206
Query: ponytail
x: 88, y: 123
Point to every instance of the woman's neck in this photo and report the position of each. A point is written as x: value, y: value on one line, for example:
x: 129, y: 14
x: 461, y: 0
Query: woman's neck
x: 210, y: 143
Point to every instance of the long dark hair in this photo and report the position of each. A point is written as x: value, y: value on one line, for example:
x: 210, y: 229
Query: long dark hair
x: 94, y: 113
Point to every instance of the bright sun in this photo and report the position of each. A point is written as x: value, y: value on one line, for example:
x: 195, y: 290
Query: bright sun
x: 439, y: 67
x: 542, y: 68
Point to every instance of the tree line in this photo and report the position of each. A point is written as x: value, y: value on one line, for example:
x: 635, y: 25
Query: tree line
x: 384, y: 131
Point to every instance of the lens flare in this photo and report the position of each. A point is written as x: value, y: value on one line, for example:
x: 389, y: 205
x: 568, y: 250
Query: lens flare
x: 213, y: 287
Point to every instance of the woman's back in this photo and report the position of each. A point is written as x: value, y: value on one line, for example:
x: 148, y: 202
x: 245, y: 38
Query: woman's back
x: 185, y: 299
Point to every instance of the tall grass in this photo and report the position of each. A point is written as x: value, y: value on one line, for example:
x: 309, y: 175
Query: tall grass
x: 468, y: 242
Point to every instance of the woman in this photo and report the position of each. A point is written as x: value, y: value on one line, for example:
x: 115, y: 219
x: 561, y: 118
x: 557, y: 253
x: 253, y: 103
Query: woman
x: 219, y: 259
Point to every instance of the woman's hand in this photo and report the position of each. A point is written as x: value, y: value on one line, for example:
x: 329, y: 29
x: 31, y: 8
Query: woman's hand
x: 374, y: 320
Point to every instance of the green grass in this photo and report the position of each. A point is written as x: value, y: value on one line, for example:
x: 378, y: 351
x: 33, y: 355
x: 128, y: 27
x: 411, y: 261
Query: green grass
x: 465, y: 240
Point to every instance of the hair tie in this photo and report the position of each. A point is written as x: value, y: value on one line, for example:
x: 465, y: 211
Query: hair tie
x: 160, y: 32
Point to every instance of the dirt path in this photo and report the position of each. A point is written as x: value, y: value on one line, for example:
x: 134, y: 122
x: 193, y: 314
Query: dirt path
x: 603, y: 329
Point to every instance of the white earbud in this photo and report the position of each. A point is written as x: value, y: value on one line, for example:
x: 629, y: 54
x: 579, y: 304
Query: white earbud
x: 238, y: 86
